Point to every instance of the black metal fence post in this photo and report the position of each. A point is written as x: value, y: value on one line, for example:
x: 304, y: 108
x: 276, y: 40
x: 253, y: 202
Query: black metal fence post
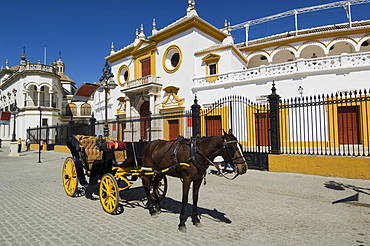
x: 70, y: 127
x: 92, y: 126
x: 274, y: 99
x: 195, y: 115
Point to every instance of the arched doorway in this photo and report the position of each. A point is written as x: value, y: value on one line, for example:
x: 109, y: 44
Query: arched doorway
x: 144, y: 122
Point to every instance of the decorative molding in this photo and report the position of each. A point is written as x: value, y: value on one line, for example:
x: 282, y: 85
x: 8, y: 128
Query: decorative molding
x: 172, y: 100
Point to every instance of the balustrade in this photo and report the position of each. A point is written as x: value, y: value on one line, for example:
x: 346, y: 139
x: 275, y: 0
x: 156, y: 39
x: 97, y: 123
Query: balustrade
x: 35, y: 103
x: 142, y: 81
x: 294, y: 67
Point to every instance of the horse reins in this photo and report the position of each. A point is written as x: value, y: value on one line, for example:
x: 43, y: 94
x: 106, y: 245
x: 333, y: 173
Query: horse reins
x: 225, y: 145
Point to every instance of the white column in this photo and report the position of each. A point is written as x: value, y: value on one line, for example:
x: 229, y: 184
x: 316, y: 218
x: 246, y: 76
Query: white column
x: 128, y: 107
x: 246, y: 34
x: 152, y: 102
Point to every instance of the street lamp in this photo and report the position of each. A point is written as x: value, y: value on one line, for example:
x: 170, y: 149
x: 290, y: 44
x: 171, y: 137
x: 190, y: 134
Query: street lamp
x: 15, y: 110
x: 39, y: 108
x: 106, y: 83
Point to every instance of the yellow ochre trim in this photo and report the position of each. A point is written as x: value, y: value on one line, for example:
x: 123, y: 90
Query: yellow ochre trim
x: 122, y: 83
x: 169, y: 110
x: 164, y: 58
x: 211, y: 58
x: 220, y: 48
x: 120, y: 54
x: 137, y: 64
x: 166, y: 125
x: 345, y: 167
x: 182, y: 26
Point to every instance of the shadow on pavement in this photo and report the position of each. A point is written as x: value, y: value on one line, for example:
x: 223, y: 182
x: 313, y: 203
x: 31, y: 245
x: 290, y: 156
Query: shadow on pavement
x: 354, y: 198
x: 136, y: 197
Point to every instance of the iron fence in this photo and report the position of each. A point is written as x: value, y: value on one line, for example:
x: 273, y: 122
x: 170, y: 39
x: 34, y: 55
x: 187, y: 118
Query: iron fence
x: 59, y: 134
x: 335, y: 124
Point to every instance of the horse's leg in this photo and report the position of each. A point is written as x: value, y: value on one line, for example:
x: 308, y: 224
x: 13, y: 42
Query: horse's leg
x: 194, y: 215
x: 155, y: 184
x: 185, y: 193
x: 150, y: 205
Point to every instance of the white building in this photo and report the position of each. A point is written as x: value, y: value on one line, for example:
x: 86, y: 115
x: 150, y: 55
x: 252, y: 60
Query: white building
x: 161, y: 72
x: 34, y: 86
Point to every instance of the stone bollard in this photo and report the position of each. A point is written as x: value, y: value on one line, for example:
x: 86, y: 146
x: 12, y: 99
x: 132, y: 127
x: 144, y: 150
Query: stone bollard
x: 13, y: 149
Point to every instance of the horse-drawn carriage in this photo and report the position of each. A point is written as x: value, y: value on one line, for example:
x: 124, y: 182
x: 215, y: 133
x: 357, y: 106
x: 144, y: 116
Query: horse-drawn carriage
x: 115, y: 163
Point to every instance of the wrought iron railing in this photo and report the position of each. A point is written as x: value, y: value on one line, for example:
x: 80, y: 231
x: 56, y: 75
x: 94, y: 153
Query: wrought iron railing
x: 335, y: 124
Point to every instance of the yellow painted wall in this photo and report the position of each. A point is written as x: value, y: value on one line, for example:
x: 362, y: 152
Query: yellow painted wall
x: 62, y: 149
x: 36, y: 146
x: 345, y: 167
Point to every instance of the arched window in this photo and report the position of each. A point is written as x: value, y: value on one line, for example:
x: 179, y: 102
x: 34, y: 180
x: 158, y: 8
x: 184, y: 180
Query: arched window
x: 71, y: 109
x: 85, y: 109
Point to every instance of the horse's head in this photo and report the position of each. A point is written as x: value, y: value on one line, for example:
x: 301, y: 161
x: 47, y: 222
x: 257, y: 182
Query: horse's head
x: 233, y: 153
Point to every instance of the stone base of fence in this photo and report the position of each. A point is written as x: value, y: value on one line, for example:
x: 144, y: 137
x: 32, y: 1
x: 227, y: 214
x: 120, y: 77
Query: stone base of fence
x: 62, y: 149
x: 345, y: 167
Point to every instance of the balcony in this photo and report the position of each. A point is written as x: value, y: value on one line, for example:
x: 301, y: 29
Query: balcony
x: 47, y: 104
x: 142, y: 84
x: 300, y: 66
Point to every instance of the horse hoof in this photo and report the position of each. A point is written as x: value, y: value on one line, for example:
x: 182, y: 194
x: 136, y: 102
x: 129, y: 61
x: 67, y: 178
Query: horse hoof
x: 155, y: 214
x: 198, y: 224
x: 182, y: 229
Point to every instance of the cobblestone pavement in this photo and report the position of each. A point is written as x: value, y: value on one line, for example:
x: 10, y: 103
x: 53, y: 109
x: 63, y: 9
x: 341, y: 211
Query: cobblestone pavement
x: 258, y: 208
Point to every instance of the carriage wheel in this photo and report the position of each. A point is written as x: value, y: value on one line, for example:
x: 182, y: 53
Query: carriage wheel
x: 109, y: 193
x: 161, y: 189
x: 69, y: 177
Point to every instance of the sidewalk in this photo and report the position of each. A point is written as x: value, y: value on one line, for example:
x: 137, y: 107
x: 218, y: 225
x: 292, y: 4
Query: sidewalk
x: 5, y: 150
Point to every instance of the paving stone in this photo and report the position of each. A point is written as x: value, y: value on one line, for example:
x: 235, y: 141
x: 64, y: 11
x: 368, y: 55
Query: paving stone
x: 258, y: 208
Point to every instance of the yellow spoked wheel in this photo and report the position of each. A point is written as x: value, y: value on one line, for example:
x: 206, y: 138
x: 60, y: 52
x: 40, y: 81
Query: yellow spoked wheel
x: 69, y: 177
x: 161, y: 189
x: 109, y: 193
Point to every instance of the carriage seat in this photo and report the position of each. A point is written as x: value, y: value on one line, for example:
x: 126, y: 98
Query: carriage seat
x: 92, y: 152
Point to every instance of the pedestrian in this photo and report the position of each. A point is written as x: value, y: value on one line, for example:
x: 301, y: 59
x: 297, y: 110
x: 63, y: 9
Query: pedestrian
x: 28, y: 144
x: 218, y: 161
x: 0, y: 142
x: 19, y: 145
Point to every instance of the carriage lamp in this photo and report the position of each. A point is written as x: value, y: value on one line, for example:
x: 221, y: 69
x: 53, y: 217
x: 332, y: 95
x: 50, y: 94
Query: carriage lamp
x: 106, y: 83
x: 15, y: 110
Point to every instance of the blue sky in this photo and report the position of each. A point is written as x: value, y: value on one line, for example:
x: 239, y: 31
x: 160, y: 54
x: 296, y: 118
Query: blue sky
x: 84, y: 29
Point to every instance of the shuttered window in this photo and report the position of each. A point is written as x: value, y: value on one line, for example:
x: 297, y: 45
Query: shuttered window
x: 145, y: 68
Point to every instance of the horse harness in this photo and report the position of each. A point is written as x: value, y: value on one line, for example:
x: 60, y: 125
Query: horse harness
x: 194, y: 152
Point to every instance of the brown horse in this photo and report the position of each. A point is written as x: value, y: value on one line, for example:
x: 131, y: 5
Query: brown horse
x: 188, y: 159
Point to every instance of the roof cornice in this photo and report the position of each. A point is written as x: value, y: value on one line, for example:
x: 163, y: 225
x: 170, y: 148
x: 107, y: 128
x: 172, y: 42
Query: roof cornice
x: 186, y: 24
x: 138, y: 51
x: 223, y: 47
x: 18, y: 75
x: 120, y: 54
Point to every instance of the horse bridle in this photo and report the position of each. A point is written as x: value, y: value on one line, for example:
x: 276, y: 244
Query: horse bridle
x: 228, y: 145
x: 231, y: 150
